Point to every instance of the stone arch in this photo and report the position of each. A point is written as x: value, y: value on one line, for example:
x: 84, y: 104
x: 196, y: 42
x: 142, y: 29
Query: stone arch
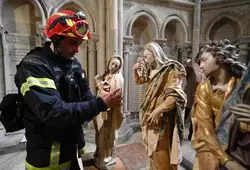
x: 75, y: 5
x: 37, y: 3
x: 36, y: 13
x: 136, y: 13
x: 230, y: 18
x: 178, y: 20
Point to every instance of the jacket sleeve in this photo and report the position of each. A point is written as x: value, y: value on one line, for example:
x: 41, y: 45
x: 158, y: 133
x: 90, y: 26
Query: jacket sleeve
x: 35, y: 80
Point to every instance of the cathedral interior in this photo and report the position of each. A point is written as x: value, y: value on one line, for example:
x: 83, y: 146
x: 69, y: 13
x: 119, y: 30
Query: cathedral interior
x: 119, y: 27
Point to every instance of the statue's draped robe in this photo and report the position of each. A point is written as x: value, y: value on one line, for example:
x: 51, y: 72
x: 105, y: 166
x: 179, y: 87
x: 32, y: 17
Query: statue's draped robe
x: 206, y: 115
x: 235, y: 130
x: 107, y: 125
x: 164, y: 90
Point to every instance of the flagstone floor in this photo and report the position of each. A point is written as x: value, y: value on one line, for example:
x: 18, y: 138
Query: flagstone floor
x: 130, y: 155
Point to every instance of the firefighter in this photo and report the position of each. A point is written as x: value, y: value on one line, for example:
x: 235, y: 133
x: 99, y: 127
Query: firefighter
x: 56, y: 94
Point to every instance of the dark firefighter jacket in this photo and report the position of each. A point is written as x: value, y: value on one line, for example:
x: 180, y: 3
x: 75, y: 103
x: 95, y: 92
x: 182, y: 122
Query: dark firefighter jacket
x: 58, y: 101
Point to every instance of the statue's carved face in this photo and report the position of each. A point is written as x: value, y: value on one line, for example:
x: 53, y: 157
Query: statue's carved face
x: 150, y: 57
x: 114, y: 65
x: 208, y: 64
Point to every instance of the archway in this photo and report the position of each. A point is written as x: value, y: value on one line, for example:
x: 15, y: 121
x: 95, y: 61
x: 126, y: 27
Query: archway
x: 21, y: 21
x: 142, y: 30
x: 176, y: 34
x: 224, y: 25
x: 21, y: 17
x: 224, y: 28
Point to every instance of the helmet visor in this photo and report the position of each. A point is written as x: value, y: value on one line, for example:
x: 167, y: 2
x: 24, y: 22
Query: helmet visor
x: 81, y: 28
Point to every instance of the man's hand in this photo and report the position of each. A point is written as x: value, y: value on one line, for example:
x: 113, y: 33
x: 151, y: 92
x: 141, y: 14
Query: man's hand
x: 233, y: 165
x: 112, y: 99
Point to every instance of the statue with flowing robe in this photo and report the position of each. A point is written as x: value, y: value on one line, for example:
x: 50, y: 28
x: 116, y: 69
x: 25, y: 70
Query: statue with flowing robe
x: 234, y: 127
x: 219, y: 62
x: 108, y: 123
x: 162, y: 110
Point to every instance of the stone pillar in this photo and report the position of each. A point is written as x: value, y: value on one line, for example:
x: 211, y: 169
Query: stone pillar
x: 6, y: 63
x: 196, y: 29
x: 185, y: 50
x: 126, y: 72
x: 101, y: 54
x: 120, y: 30
x: 2, y: 130
x: 92, y: 64
x: 244, y: 52
x: 112, y: 28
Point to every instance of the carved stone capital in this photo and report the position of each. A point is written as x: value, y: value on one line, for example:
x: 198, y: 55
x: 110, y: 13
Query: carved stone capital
x: 92, y: 45
x: 160, y: 41
x: 127, y: 43
x: 184, y: 47
x: 136, y: 48
x: 84, y: 45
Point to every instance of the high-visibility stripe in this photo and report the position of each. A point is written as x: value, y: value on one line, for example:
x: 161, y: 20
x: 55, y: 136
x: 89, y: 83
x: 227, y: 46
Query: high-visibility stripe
x: 55, y: 154
x: 54, y: 160
x: 81, y: 151
x: 64, y: 166
x: 40, y: 82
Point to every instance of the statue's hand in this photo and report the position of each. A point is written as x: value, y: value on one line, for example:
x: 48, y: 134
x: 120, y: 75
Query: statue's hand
x: 98, y: 77
x: 153, y: 119
x: 137, y: 66
x: 233, y: 165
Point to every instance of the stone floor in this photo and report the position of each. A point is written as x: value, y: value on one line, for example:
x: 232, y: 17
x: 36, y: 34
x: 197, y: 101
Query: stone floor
x: 131, y: 155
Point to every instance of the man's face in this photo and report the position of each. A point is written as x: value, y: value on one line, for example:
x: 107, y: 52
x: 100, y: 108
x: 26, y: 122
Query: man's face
x: 69, y: 47
x: 208, y: 64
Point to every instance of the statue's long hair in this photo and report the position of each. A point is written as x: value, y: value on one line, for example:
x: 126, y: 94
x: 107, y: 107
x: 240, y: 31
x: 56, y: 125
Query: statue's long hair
x: 225, y: 53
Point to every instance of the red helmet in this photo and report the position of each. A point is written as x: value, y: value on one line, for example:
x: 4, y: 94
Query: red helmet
x: 67, y: 23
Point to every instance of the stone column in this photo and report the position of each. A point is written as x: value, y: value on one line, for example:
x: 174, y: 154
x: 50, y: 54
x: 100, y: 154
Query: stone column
x: 92, y: 54
x: 2, y: 130
x: 6, y: 63
x: 185, y: 50
x: 126, y: 72
x: 243, y: 52
x: 120, y: 30
x: 92, y: 64
x: 196, y: 29
x: 101, y: 54
x: 112, y: 28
